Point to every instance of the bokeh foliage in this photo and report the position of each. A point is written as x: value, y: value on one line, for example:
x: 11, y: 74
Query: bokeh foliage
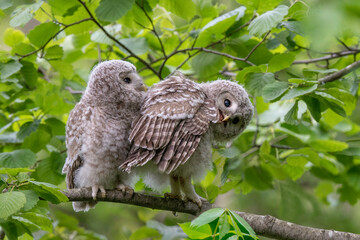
x: 303, y: 143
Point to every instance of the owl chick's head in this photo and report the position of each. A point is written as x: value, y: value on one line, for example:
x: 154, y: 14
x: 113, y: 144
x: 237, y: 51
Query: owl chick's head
x: 114, y: 81
x: 235, y: 109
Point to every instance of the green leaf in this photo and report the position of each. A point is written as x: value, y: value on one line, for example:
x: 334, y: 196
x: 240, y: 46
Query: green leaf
x: 31, y: 199
x: 255, y: 82
x: 65, y: 68
x: 267, y: 21
x: 9, y: 68
x: 274, y: 90
x: 298, y: 91
x: 4, y: 4
x: 311, y: 73
x: 43, y: 33
x: 57, y: 126
x: 112, y: 10
x: 295, y: 166
x: 224, y: 226
x: 13, y: 36
x: 207, y: 217
x: 60, y: 8
x: 291, y: 116
x: 197, y: 232
x: 10, y: 203
x: 40, y: 221
x: 329, y: 145
x: 201, y: 62
x: 259, y: 5
x: 10, y: 230
x: 23, y: 14
x: 27, y: 128
x: 21, y: 158
x: 14, y: 171
x: 23, y: 49
x: 49, y: 169
x: 54, y: 52
x: 136, y: 45
x: 243, y: 225
x: 145, y: 232
x: 323, y: 190
x: 29, y: 73
x: 353, y: 177
x: 313, y: 106
x: 49, y: 192
x: 36, y: 140
x: 265, y: 148
x: 185, y: 8
x: 281, y: 61
x: 222, y: 23
x: 294, y: 26
x: 258, y: 177
x: 348, y: 194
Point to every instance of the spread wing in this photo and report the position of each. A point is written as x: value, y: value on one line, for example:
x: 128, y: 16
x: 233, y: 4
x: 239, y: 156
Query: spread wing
x: 78, y: 121
x: 175, y: 114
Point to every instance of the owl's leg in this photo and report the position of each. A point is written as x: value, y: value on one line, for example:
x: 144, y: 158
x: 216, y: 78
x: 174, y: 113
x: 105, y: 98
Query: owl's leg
x: 95, y: 188
x: 175, y: 188
x: 189, y: 191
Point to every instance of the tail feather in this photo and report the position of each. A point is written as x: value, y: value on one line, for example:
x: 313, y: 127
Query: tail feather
x: 83, y: 206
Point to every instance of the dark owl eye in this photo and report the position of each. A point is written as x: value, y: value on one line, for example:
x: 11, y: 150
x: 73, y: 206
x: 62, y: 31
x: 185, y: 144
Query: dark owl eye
x: 127, y: 80
x: 235, y: 120
x: 227, y: 103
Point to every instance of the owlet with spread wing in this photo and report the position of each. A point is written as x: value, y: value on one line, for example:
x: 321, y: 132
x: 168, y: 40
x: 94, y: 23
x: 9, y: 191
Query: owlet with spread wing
x: 179, y: 122
x: 97, y: 130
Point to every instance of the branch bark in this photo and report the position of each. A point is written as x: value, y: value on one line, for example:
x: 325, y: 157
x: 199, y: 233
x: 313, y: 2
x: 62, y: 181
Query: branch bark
x: 268, y: 226
x: 341, y: 73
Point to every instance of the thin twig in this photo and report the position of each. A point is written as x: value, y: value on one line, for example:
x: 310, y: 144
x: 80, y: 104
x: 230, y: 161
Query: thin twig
x: 256, y: 46
x: 52, y: 37
x: 344, y: 44
x: 117, y: 41
x: 72, y: 91
x: 328, y: 57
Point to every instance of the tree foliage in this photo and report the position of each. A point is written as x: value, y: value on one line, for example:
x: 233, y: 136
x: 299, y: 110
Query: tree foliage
x: 296, y: 58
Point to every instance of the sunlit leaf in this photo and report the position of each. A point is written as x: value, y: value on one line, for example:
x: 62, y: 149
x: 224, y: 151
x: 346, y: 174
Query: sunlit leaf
x: 10, y: 203
x: 268, y: 21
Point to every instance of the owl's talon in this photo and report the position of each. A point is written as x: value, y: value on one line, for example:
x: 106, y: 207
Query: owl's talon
x: 102, y: 190
x: 94, y: 190
x: 125, y: 189
x: 173, y: 196
x: 198, y: 200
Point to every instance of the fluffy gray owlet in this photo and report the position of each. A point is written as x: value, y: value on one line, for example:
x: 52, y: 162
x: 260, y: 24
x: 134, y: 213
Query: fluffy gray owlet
x: 178, y: 123
x: 97, y: 130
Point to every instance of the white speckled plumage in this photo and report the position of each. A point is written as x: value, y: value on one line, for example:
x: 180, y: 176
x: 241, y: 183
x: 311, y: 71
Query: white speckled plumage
x: 97, y: 130
x: 178, y: 123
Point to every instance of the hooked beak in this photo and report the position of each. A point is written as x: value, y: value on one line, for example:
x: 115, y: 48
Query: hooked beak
x: 142, y: 88
x: 225, y: 118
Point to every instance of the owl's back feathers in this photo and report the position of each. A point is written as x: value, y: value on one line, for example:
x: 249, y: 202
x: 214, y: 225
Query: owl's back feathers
x: 175, y: 113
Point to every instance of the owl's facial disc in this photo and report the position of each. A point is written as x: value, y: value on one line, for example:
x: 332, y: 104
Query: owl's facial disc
x: 227, y: 105
x: 133, y: 80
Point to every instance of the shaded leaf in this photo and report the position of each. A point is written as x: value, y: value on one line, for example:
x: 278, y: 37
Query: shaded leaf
x: 112, y: 10
x: 21, y: 158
